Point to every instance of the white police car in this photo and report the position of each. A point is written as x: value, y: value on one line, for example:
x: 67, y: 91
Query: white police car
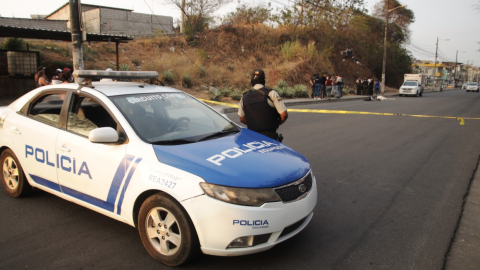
x: 158, y: 159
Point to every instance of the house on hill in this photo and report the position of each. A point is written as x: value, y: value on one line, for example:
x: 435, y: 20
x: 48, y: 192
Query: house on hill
x: 116, y: 21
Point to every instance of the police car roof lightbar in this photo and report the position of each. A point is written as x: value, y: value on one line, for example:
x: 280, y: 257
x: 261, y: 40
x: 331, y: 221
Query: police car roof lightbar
x: 101, y: 74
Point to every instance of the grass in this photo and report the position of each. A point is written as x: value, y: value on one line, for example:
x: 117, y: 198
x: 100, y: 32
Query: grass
x: 187, y: 81
x: 291, y: 49
x: 290, y: 63
x: 168, y: 77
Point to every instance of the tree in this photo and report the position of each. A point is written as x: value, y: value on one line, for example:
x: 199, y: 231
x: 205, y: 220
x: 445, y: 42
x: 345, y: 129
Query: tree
x: 310, y: 15
x: 249, y: 16
x: 14, y: 43
x: 198, y: 13
x: 398, y: 20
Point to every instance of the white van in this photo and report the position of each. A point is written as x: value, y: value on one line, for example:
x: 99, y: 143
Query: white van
x: 413, y: 85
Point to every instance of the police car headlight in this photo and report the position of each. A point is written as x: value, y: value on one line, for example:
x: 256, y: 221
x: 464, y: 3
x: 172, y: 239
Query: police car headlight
x: 242, y: 196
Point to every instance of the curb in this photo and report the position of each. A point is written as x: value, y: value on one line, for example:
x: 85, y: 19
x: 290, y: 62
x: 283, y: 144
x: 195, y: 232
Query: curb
x: 463, y: 252
x: 296, y: 102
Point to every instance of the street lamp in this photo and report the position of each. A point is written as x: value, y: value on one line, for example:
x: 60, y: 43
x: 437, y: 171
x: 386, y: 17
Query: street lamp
x: 435, y: 69
x: 385, y: 46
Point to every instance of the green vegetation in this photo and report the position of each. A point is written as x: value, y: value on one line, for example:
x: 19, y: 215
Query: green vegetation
x: 187, y: 81
x: 291, y: 49
x: 88, y: 53
x: 16, y: 44
x: 168, y: 77
x: 124, y: 67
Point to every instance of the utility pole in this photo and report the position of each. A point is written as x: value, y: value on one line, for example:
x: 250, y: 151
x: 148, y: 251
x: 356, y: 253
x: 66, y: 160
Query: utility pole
x: 182, y: 16
x: 75, y: 29
x: 384, y: 66
x: 455, y: 74
x: 457, y: 70
x: 435, y: 68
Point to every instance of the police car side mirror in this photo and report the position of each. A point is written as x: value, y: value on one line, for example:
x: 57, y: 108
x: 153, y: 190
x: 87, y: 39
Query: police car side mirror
x: 103, y: 135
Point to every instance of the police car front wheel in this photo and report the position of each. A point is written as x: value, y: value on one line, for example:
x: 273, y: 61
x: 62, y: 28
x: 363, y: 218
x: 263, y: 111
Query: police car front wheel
x: 166, y: 230
x: 13, y: 178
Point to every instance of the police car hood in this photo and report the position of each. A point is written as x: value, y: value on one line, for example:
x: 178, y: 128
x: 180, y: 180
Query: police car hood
x: 246, y: 159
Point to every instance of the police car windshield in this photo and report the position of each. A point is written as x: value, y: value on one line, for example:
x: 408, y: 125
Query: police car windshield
x: 410, y: 83
x: 170, y: 118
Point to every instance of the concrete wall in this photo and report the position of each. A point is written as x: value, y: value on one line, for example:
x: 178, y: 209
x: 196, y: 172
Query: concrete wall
x: 104, y: 20
x: 35, y: 24
x: 64, y: 12
x: 61, y: 14
x: 91, y: 20
x: 119, y: 22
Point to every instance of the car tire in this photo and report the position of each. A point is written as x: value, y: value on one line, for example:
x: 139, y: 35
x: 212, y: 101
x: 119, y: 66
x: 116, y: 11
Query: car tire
x: 166, y: 230
x: 400, y: 95
x: 13, y: 178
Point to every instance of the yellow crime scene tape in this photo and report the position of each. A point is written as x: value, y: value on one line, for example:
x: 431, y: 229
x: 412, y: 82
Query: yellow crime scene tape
x: 460, y: 119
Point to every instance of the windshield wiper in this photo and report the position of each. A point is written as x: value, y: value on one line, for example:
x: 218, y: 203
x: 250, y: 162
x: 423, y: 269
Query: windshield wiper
x: 218, y: 134
x: 173, y: 142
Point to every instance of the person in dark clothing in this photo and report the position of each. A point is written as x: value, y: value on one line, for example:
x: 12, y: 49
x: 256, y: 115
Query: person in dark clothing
x: 312, y: 83
x: 261, y: 108
x: 370, y: 86
x: 323, y: 92
x: 318, y: 86
x: 364, y: 86
x: 358, y: 82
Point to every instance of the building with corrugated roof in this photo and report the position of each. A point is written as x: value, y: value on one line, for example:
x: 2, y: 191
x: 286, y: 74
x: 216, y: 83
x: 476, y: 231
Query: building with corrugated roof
x: 116, y: 21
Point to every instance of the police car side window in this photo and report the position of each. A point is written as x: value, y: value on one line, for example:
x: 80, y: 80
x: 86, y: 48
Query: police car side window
x: 86, y: 114
x: 47, y: 108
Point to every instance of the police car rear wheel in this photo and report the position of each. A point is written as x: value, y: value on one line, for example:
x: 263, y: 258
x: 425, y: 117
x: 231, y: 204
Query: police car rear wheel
x: 13, y: 178
x: 166, y: 230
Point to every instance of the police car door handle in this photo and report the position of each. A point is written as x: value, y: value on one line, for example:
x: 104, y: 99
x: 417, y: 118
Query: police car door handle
x: 16, y: 131
x: 63, y: 148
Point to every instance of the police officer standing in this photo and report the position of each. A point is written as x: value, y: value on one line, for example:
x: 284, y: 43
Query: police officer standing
x: 261, y: 108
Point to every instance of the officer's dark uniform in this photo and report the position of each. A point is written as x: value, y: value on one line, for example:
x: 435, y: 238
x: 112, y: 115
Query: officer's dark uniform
x: 258, y: 108
x: 260, y: 116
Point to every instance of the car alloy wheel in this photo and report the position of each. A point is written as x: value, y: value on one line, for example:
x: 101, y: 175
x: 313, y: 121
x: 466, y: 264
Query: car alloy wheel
x: 13, y: 179
x: 10, y: 173
x: 163, y: 231
x: 166, y: 230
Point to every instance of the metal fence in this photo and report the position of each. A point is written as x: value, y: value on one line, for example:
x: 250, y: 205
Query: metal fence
x: 19, y: 63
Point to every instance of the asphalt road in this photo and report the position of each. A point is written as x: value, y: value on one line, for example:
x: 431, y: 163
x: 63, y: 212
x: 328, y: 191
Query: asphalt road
x: 390, y: 195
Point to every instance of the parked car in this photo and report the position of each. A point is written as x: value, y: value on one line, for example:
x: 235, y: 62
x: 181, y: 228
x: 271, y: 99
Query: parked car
x: 411, y: 88
x: 472, y: 87
x: 158, y: 159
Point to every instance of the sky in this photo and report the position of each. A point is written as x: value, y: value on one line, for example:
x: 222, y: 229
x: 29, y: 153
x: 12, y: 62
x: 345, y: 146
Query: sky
x: 458, y: 21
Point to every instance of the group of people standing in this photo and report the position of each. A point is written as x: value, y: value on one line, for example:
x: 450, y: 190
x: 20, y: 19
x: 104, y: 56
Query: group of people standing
x: 366, y: 86
x: 325, y: 86
x: 60, y: 76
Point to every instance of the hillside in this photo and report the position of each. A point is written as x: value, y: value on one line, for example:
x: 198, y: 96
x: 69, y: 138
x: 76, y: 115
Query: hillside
x: 222, y: 58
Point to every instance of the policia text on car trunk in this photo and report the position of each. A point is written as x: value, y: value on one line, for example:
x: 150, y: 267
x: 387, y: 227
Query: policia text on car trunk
x: 261, y: 108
